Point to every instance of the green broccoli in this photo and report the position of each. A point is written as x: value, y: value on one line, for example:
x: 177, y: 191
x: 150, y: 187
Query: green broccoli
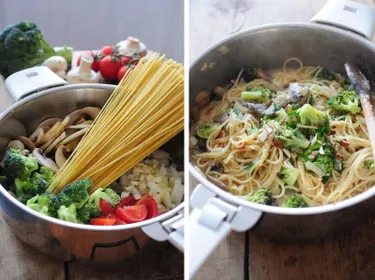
x: 262, y: 196
x: 257, y: 94
x: 44, y: 203
x: 295, y: 201
x: 308, y: 115
x: 324, y: 161
x: 43, y: 173
x: 291, y: 137
x: 16, y: 165
x: 22, y: 46
x: 26, y: 189
x: 368, y: 164
x: 68, y: 214
x: 205, y: 130
x: 75, y: 193
x: 289, y: 175
x: 107, y: 194
x: 89, y: 210
x: 345, y: 102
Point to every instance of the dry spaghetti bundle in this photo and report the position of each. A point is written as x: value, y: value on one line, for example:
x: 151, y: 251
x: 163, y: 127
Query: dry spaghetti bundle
x: 144, y: 112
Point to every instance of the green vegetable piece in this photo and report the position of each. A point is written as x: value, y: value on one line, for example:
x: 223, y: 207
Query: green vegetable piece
x: 308, y: 115
x: 249, y: 166
x: 289, y: 175
x: 346, y: 102
x: 262, y: 196
x: 44, y: 203
x: 292, y: 138
x: 89, y: 210
x: 107, y: 194
x: 75, y: 193
x: 368, y: 164
x: 257, y: 94
x: 206, y: 130
x: 16, y: 165
x: 68, y: 214
x: 295, y: 201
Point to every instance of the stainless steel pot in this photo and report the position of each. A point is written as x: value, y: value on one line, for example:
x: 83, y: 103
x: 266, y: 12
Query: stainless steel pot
x: 215, y: 212
x: 60, y: 239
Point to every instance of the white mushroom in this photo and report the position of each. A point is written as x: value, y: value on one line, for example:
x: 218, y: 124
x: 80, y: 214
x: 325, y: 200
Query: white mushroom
x: 57, y: 64
x: 54, y: 132
x: 60, y: 157
x: 27, y: 142
x: 55, y: 143
x: 37, y: 136
x: 43, y: 160
x: 16, y: 144
x: 74, y: 136
x: 202, y: 98
x: 92, y: 112
x: 49, y: 122
x: 160, y: 154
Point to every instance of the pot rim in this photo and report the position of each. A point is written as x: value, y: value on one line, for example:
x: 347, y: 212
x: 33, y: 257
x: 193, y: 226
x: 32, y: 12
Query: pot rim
x: 198, y: 175
x: 30, y: 211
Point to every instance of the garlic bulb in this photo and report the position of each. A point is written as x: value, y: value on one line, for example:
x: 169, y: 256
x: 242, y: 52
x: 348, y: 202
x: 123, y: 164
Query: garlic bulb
x: 132, y: 46
x: 83, y: 73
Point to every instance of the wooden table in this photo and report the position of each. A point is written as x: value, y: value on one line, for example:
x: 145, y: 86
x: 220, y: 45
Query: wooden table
x: 350, y: 255
x: 19, y: 261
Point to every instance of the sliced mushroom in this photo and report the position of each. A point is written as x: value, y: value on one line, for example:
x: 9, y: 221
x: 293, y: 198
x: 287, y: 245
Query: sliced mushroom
x: 81, y: 120
x: 51, y: 136
x: 27, y: 142
x: 202, y: 98
x: 219, y: 92
x: 54, y: 143
x: 43, y: 160
x: 75, y: 116
x: 49, y: 122
x: 216, y: 181
x: 160, y: 154
x: 37, y: 136
x: 79, y: 126
x: 92, y: 112
x: 60, y: 156
x: 221, y: 118
x: 16, y: 144
x: 74, y: 136
x: 72, y: 145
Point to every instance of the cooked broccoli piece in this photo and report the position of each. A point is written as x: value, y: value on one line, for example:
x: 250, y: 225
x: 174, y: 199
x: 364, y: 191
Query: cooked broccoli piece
x: 324, y: 161
x: 107, y: 194
x: 75, y: 193
x: 289, y: 175
x: 295, y: 201
x: 22, y: 46
x: 26, y: 189
x: 345, y: 102
x: 16, y: 165
x: 68, y: 214
x: 325, y: 74
x: 205, y: 130
x: 257, y: 94
x: 262, y: 196
x: 368, y: 164
x: 291, y: 137
x: 308, y: 115
x: 43, y: 173
x: 89, y: 210
x: 44, y: 203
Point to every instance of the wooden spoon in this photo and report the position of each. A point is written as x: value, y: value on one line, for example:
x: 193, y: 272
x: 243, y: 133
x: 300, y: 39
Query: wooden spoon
x: 362, y: 87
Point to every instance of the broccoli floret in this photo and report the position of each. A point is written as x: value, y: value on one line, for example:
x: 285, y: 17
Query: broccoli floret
x: 44, y: 173
x: 27, y: 189
x: 68, y: 214
x: 262, y: 196
x: 89, y: 210
x: 16, y: 165
x: 368, y: 164
x: 291, y: 137
x: 257, y: 94
x: 308, y: 115
x: 44, y: 203
x: 22, y: 46
x: 345, y: 102
x: 205, y: 130
x: 75, y: 193
x: 295, y: 201
x: 290, y: 175
x: 107, y: 194
x: 324, y: 161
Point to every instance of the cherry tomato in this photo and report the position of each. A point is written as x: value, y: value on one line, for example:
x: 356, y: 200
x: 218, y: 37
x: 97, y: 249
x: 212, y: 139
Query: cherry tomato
x: 105, y: 221
x: 109, y: 67
x: 151, y: 205
x: 106, y: 207
x: 125, y: 60
x: 132, y: 214
x: 121, y: 73
x: 118, y: 220
x: 127, y: 201
x: 107, y: 50
x: 94, y: 65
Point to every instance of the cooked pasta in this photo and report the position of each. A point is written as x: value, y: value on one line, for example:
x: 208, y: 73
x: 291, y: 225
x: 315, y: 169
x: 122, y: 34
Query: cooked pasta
x: 292, y: 132
x: 144, y: 112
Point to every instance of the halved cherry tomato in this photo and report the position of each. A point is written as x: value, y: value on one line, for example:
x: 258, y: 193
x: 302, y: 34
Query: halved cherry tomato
x: 127, y: 201
x: 106, y: 207
x: 118, y: 220
x: 150, y: 203
x: 132, y: 214
x: 102, y: 221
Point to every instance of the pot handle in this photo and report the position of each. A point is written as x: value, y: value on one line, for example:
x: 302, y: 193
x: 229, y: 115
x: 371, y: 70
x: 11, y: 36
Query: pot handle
x: 28, y: 81
x: 171, y: 230
x: 210, y: 221
x: 348, y: 15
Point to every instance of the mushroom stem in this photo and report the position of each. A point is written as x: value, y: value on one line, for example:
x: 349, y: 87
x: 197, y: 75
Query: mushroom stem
x: 43, y: 160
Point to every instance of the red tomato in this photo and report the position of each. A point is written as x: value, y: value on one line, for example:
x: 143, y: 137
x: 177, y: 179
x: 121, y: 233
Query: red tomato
x: 106, y: 207
x: 125, y: 60
x: 118, y: 220
x: 109, y: 67
x: 127, y: 201
x: 107, y: 50
x: 150, y: 203
x: 102, y: 221
x: 132, y: 214
x: 121, y: 73
x: 94, y: 65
